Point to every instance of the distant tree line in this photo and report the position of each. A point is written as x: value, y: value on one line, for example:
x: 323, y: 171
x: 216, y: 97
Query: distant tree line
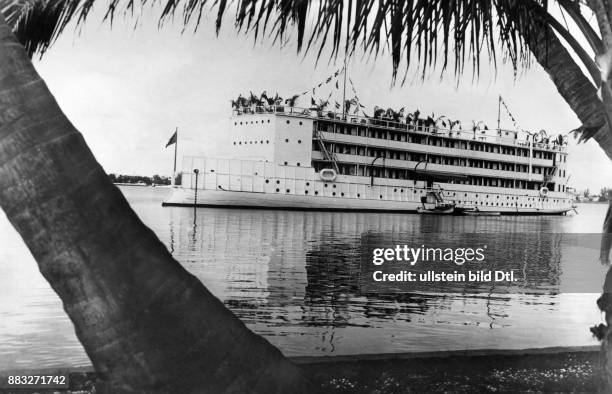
x: 139, y: 179
x: 605, y: 194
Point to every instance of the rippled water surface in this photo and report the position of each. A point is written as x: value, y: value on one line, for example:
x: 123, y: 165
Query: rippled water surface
x: 291, y: 276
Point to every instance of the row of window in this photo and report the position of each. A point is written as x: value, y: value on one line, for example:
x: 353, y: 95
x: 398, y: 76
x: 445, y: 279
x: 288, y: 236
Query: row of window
x: 405, y: 174
x: 246, y: 122
x: 485, y: 203
x: 435, y: 159
x: 250, y: 142
x: 454, y: 194
x: 260, y: 141
x: 433, y: 140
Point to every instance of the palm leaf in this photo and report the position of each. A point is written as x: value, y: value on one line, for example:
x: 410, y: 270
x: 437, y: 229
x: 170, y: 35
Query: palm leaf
x: 461, y: 29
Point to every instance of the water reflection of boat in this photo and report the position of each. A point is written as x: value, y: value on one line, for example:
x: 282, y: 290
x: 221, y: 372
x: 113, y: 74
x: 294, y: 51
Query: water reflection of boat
x: 433, y: 204
x: 298, y: 279
x: 280, y: 256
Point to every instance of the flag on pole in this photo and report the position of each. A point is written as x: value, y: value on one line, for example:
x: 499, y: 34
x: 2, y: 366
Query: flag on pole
x: 172, y: 139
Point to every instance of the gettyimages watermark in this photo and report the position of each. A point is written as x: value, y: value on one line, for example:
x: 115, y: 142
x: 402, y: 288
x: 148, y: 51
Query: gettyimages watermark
x: 482, y: 262
x: 412, y: 256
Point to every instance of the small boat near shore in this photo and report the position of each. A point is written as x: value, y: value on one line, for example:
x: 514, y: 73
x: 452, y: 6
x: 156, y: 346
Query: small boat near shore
x: 481, y: 213
x: 433, y: 204
x: 436, y: 211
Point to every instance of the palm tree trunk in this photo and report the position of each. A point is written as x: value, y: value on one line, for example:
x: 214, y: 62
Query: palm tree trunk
x: 581, y: 95
x: 146, y: 323
x: 603, y: 332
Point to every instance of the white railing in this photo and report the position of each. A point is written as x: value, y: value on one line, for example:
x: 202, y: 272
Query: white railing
x: 388, y: 123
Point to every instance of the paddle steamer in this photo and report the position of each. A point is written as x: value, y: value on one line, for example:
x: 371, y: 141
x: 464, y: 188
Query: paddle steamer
x: 297, y: 158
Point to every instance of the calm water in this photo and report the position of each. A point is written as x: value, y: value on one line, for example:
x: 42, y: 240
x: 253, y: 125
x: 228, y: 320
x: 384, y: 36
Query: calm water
x: 291, y: 276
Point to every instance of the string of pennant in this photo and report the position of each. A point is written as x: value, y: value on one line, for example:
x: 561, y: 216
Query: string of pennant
x: 333, y: 78
x: 329, y: 79
x: 353, y: 100
x: 516, y: 126
x: 358, y: 105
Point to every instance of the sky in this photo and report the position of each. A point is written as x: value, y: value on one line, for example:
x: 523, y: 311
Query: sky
x: 127, y: 89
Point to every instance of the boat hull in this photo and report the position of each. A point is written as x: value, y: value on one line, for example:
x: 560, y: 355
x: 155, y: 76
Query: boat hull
x: 186, y: 197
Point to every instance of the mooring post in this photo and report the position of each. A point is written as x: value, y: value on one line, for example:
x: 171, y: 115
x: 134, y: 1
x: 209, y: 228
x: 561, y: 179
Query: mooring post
x: 195, y: 200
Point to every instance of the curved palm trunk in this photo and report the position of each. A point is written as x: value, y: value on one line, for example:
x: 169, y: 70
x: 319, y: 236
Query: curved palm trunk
x: 145, y: 322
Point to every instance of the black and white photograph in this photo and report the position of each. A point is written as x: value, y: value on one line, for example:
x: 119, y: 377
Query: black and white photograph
x: 297, y: 196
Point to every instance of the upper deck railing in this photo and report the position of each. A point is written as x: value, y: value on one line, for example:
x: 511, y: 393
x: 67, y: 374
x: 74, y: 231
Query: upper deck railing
x: 485, y: 135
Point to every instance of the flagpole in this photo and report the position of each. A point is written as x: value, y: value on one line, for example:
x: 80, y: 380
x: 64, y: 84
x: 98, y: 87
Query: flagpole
x: 344, y: 88
x: 175, y: 149
x: 498, y: 111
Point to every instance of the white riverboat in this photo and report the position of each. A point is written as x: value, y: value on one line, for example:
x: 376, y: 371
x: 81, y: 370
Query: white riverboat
x: 295, y: 158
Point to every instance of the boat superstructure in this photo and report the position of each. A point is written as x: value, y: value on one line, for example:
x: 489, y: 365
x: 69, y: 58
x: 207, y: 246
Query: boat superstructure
x: 299, y: 158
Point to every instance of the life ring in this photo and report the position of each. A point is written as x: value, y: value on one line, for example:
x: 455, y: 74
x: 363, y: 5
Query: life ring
x: 328, y: 174
x: 543, y: 192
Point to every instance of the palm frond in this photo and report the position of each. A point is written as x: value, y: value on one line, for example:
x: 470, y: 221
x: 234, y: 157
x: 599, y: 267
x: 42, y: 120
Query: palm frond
x: 37, y: 23
x: 460, y: 30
